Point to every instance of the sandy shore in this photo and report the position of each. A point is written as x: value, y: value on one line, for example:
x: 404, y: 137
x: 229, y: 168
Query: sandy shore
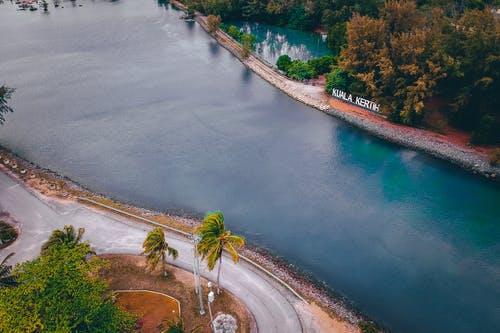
x: 446, y: 147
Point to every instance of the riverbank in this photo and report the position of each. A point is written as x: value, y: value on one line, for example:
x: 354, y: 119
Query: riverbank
x: 329, y: 312
x: 460, y: 153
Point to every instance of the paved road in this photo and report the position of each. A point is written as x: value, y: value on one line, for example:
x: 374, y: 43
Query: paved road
x: 273, y: 307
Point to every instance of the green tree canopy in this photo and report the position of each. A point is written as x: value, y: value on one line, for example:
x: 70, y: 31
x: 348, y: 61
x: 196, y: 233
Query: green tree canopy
x: 396, y: 59
x: 283, y: 62
x: 60, y: 292
x: 157, y: 249
x: 214, y: 239
x: 248, y: 41
x: 6, y: 277
x: 68, y: 236
x: 299, y: 70
x: 473, y: 40
x: 213, y: 23
x: 322, y: 64
x: 338, y: 79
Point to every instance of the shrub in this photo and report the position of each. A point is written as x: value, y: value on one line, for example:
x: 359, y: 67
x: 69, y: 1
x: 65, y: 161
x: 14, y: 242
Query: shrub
x: 337, y: 38
x: 298, y: 70
x: 488, y: 131
x: 221, y: 8
x: 248, y: 41
x: 213, y: 23
x: 495, y: 157
x: 338, y: 79
x: 367, y: 327
x: 234, y: 32
x: 7, y: 234
x: 60, y: 292
x: 322, y: 64
x: 283, y: 62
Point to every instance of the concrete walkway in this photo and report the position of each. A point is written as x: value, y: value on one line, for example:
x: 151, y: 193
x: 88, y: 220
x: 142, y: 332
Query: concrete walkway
x: 274, y: 308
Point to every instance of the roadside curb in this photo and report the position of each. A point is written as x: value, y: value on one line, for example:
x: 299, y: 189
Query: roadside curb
x: 190, y: 236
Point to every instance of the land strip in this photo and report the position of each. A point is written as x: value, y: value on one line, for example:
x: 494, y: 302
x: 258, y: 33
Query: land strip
x: 438, y: 145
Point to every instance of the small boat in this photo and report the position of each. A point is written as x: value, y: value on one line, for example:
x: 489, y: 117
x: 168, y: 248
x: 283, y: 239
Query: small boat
x: 188, y: 17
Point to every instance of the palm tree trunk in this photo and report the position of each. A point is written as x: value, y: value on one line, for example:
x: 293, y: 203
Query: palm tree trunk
x: 164, y: 262
x: 218, y: 274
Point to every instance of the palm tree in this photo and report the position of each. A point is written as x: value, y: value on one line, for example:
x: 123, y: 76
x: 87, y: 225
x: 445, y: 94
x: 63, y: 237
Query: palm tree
x: 67, y: 236
x: 214, y: 239
x: 6, y: 278
x: 156, y: 249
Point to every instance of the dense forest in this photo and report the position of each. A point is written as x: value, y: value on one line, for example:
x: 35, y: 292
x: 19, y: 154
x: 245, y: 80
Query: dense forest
x: 405, y: 55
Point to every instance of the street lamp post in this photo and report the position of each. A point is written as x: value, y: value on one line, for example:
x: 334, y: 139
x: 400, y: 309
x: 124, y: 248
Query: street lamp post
x: 196, y: 271
x: 211, y: 298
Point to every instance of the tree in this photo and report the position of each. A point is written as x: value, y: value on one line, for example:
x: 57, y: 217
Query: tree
x: 157, y: 249
x: 6, y: 278
x: 8, y: 234
x: 67, y: 236
x: 336, y: 38
x: 298, y: 70
x: 60, y: 292
x: 213, y: 23
x: 5, y: 95
x: 337, y: 79
x: 247, y: 41
x: 396, y: 58
x: 322, y: 64
x: 214, y: 239
x: 234, y: 32
x: 473, y: 40
x: 283, y: 62
x: 220, y: 8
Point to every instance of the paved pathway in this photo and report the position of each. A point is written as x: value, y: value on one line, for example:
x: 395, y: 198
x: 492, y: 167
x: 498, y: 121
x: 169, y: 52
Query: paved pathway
x: 273, y: 307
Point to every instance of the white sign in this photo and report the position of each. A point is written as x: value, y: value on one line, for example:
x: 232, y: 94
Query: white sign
x: 364, y: 103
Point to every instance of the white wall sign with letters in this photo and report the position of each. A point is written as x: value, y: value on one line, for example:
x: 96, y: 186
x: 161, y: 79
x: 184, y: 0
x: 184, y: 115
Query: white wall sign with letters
x: 364, y: 103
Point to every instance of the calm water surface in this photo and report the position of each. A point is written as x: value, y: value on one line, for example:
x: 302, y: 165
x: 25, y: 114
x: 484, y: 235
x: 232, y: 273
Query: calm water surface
x: 274, y: 41
x: 131, y: 101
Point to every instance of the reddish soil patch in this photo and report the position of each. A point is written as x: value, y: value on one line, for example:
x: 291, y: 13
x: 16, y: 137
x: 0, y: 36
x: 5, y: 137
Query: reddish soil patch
x: 448, y: 134
x: 150, y: 307
x: 128, y: 272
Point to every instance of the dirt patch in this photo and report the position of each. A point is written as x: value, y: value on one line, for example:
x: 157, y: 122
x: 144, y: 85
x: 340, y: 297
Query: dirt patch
x: 150, y: 307
x: 327, y: 323
x: 128, y: 272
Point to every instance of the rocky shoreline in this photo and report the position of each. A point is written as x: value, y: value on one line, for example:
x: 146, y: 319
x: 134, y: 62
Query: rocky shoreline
x: 442, y: 150
x: 314, y: 96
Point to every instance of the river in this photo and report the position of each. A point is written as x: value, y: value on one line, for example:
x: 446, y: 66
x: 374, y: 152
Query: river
x: 272, y: 41
x: 130, y: 101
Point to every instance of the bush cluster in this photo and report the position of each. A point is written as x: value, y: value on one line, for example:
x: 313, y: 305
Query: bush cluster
x: 299, y: 70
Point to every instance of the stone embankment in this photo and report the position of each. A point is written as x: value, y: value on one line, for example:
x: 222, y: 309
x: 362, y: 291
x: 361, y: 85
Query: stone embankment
x: 314, y: 96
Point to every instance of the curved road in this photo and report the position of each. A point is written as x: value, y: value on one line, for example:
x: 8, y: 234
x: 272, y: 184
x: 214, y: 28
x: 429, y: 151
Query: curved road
x: 274, y: 308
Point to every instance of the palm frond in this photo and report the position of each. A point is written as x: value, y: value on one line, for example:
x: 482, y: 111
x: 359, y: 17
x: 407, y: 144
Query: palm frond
x: 156, y: 248
x: 6, y: 279
x: 67, y: 236
x: 6, y: 258
x: 173, y: 252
